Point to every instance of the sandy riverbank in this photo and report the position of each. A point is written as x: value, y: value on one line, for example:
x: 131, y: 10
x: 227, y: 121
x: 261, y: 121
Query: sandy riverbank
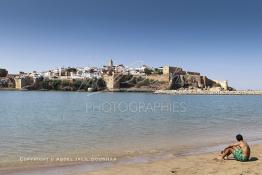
x: 202, y: 164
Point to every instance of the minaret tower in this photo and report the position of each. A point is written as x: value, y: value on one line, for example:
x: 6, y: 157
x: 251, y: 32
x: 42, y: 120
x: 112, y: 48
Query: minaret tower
x: 110, y: 64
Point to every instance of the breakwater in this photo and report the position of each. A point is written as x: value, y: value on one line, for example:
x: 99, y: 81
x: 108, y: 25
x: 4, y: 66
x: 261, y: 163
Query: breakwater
x: 203, y: 92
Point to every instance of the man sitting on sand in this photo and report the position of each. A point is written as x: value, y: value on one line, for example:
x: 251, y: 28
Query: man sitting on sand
x: 240, y: 150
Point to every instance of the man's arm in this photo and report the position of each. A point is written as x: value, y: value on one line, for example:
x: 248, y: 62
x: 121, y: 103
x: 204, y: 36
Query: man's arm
x: 234, y: 145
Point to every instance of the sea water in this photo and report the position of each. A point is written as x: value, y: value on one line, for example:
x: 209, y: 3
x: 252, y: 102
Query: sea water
x: 81, y: 126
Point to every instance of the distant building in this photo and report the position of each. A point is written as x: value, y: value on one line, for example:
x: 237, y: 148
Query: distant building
x: 3, y: 72
x: 109, y: 68
x: 120, y: 68
x: 142, y: 68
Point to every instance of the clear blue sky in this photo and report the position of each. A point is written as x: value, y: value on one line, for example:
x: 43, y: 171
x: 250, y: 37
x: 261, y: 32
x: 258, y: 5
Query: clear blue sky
x: 219, y: 38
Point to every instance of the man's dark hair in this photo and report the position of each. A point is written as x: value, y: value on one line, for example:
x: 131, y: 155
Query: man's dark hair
x: 239, y: 137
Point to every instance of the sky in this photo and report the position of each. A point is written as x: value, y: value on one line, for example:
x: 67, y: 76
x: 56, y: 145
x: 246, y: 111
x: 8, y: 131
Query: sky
x: 218, y: 38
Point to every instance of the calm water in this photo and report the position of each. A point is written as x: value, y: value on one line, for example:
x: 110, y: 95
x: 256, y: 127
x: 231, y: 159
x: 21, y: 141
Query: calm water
x: 116, y: 124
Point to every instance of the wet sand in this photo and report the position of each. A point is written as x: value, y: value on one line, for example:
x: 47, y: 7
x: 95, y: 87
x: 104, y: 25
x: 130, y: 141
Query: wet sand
x: 195, y: 164
x: 199, y: 164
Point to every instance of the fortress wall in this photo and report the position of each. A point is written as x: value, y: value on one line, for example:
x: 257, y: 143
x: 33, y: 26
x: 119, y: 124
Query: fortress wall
x: 193, y: 80
x: 223, y: 84
x: 22, y: 82
x: 163, y: 78
x: 112, y: 81
x: 177, y: 70
x: 192, y: 73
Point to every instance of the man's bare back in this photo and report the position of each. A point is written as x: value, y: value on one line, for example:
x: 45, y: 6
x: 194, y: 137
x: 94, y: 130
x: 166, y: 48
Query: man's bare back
x: 245, y: 148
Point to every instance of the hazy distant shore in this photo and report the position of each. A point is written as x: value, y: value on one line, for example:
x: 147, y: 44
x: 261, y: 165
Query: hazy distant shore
x: 201, y: 92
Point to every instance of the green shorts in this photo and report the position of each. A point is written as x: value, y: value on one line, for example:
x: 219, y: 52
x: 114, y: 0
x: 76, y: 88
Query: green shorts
x: 238, y: 155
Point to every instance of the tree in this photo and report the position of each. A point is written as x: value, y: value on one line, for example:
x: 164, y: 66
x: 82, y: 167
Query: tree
x: 46, y: 84
x: 158, y: 71
x: 56, y: 84
x: 148, y: 71
x: 77, y: 84
x: 71, y: 69
x: 100, y: 84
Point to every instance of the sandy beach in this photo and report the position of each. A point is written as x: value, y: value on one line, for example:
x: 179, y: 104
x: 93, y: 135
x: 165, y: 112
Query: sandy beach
x: 196, y: 164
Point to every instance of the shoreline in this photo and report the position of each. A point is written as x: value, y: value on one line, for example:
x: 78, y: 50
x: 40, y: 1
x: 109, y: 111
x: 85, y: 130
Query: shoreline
x: 133, y: 162
x: 166, y: 92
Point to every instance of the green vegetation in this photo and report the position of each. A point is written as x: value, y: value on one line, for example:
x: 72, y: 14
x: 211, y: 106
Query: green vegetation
x: 158, y: 71
x: 77, y: 84
x: 56, y: 84
x: 144, y: 82
x: 71, y: 69
x: 72, y: 85
x: 99, y: 84
x: 148, y: 71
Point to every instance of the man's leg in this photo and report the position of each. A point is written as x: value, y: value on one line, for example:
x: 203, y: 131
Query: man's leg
x: 227, y: 152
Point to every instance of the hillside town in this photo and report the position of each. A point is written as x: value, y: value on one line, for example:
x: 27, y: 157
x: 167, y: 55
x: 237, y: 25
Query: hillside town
x: 111, y: 78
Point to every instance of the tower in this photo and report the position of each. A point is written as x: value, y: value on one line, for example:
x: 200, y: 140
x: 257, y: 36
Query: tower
x: 110, y: 64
